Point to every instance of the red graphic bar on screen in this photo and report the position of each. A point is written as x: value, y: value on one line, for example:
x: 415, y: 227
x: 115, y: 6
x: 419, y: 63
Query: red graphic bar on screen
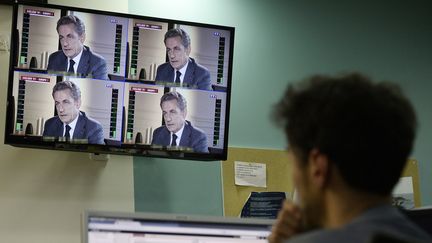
x: 35, y: 79
x: 39, y: 13
x: 144, y: 90
x: 148, y: 26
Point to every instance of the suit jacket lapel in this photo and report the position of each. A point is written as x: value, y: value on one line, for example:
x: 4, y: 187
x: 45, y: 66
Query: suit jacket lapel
x: 63, y: 62
x: 59, y: 128
x: 166, y: 137
x: 170, y: 73
x: 84, y: 62
x: 184, y: 141
x: 80, y: 127
x: 189, y: 75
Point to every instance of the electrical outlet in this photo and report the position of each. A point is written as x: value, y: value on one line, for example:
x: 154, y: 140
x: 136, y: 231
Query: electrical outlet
x: 4, y: 42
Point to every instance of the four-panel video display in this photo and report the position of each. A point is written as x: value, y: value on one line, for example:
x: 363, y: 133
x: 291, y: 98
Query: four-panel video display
x: 107, y: 82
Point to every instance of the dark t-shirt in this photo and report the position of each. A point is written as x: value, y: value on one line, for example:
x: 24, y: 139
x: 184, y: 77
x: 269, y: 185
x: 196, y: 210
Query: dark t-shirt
x: 382, y: 220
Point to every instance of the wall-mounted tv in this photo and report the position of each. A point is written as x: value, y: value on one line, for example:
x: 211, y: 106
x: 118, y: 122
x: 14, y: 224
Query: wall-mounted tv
x: 114, y: 83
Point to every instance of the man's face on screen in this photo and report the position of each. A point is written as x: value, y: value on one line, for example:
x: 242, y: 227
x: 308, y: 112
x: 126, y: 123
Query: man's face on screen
x: 173, y: 116
x: 67, y: 108
x: 71, y: 42
x: 178, y: 55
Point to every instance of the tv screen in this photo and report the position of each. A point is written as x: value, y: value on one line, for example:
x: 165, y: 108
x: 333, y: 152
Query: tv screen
x: 104, y: 82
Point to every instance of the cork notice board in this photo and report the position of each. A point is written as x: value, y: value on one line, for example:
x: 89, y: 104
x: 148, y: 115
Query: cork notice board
x: 411, y: 169
x: 278, y: 176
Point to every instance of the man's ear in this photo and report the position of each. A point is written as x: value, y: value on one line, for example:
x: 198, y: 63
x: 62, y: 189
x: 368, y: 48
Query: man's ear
x: 188, y: 50
x: 82, y: 38
x: 185, y: 113
x: 78, y: 103
x: 319, y: 167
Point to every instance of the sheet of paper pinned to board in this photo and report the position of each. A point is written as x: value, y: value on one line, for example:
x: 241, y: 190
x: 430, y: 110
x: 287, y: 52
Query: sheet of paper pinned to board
x: 404, y: 186
x: 250, y: 174
x: 403, y: 193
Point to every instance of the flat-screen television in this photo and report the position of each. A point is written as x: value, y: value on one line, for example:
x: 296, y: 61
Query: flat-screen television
x: 136, y: 85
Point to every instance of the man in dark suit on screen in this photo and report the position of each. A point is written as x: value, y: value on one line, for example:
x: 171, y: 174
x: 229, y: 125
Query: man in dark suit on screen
x: 74, y: 57
x: 182, y: 69
x: 177, y: 131
x: 70, y: 122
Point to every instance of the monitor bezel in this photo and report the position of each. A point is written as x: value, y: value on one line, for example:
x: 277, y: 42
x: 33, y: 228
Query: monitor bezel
x: 133, y: 150
x: 174, y: 218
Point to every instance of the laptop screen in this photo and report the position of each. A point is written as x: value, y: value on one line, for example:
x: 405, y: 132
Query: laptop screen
x: 108, y: 227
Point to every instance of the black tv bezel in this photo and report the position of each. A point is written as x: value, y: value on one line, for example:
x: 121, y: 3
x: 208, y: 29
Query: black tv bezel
x: 125, y: 149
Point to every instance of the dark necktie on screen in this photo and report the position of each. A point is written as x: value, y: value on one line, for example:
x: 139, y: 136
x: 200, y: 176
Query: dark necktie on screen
x: 71, y: 66
x: 178, y: 74
x: 174, y: 140
x: 67, y: 134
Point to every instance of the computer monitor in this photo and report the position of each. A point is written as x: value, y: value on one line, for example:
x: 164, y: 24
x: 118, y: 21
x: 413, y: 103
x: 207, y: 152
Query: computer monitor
x: 422, y: 217
x: 110, y: 227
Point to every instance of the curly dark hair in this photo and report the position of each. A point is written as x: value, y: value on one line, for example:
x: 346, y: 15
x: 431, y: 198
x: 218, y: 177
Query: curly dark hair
x: 365, y: 128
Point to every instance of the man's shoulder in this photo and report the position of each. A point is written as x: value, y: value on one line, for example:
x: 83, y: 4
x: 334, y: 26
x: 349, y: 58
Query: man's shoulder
x: 379, y: 221
x: 52, y: 120
x: 94, y: 57
x: 200, y: 75
x: 89, y: 121
x: 195, y: 131
x: 89, y: 128
x: 197, y: 66
x: 57, y: 54
x: 160, y: 135
x: 52, y: 126
x: 357, y: 235
x: 197, y: 139
x: 57, y: 58
x: 94, y: 121
x: 165, y: 66
x: 194, y: 134
x: 160, y: 130
x: 164, y: 72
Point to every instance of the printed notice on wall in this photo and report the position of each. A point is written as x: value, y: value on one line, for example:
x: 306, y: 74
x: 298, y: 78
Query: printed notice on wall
x: 250, y: 174
x: 403, y: 193
x: 263, y: 205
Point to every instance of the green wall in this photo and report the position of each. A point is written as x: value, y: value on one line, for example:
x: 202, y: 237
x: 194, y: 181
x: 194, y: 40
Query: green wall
x: 43, y: 193
x: 176, y: 186
x: 278, y: 42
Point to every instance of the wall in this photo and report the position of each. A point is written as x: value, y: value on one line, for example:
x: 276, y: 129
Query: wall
x: 106, y: 5
x: 43, y: 193
x: 276, y: 42
x: 385, y: 41
x: 280, y: 41
x: 178, y: 186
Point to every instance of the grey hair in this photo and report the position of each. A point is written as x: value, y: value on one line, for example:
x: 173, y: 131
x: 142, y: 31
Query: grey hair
x: 71, y: 19
x: 64, y: 85
x: 173, y: 95
x: 185, y: 38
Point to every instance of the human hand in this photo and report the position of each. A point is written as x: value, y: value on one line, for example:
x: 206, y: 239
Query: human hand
x: 288, y: 223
